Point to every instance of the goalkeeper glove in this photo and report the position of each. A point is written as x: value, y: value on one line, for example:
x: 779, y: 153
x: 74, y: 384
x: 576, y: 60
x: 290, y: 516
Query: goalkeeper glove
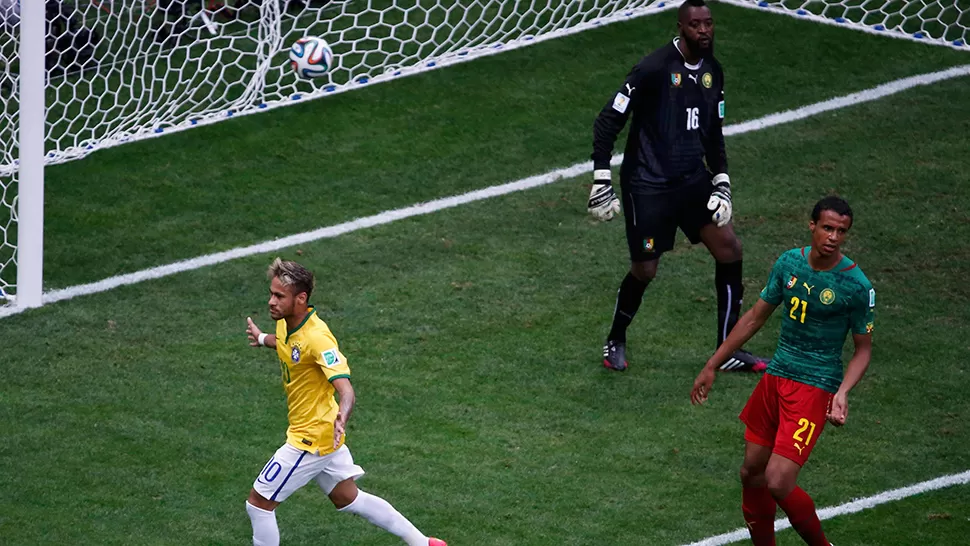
x: 603, y: 203
x: 720, y: 201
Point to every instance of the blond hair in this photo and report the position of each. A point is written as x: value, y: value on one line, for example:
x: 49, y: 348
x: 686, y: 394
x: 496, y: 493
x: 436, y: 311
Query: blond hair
x: 293, y: 275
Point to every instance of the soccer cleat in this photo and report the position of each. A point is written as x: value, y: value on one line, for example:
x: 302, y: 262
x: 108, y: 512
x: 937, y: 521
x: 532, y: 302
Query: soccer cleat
x: 743, y: 361
x: 432, y: 541
x: 614, y: 355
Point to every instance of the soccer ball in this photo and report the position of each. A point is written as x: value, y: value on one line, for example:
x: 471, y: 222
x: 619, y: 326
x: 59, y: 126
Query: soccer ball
x: 311, y: 57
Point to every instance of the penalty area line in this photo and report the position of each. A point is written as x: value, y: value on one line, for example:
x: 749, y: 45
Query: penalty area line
x: 852, y: 507
x: 420, y: 209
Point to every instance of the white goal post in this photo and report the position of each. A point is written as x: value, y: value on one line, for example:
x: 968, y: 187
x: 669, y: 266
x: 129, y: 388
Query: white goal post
x: 116, y: 71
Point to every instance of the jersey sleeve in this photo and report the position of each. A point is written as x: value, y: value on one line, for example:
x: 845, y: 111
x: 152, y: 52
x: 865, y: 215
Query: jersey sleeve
x: 714, y: 150
x: 612, y: 118
x: 862, y: 310
x: 774, y: 289
x: 329, y: 358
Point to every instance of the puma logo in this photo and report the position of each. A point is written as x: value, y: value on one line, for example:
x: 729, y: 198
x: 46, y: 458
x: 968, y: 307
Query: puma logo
x: 693, y: 77
x: 808, y: 288
x: 799, y: 448
x: 629, y: 88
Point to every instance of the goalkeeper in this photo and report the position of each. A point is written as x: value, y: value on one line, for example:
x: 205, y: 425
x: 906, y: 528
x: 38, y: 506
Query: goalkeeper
x: 676, y: 97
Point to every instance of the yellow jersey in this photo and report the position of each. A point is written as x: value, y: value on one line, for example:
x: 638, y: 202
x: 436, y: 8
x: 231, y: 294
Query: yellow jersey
x: 309, y: 361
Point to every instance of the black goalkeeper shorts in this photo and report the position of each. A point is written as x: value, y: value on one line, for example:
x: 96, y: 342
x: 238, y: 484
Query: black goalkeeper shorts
x: 652, y: 218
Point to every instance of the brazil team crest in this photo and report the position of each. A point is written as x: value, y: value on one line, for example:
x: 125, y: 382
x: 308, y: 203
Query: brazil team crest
x: 827, y: 296
x: 295, y: 355
x: 707, y: 80
x: 675, y: 79
x: 791, y: 282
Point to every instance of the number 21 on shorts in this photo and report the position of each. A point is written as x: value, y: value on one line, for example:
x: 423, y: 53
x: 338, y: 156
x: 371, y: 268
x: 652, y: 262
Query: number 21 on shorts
x: 805, y: 425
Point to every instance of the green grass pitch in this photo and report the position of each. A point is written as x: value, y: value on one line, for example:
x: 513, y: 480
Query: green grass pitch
x: 140, y: 415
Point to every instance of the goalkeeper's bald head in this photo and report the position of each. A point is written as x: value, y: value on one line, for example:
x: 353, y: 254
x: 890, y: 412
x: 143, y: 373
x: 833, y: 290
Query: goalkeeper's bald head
x: 683, y: 14
x: 696, y: 26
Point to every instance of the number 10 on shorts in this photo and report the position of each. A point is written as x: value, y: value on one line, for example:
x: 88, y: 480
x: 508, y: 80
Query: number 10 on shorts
x: 270, y: 471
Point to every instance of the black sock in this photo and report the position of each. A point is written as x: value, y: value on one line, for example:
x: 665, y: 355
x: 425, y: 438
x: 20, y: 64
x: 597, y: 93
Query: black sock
x: 730, y: 290
x: 628, y: 299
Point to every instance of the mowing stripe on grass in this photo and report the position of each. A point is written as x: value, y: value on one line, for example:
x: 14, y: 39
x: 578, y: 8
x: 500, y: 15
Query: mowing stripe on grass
x: 859, y: 505
x: 387, y: 217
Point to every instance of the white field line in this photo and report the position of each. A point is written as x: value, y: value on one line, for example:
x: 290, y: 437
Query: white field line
x: 850, y: 507
x: 419, y: 209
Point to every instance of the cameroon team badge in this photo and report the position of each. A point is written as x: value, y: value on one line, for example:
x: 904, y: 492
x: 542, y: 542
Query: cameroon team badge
x: 827, y: 296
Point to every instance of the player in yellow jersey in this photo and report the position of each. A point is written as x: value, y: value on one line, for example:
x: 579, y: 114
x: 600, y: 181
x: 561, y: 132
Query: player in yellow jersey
x: 313, y: 371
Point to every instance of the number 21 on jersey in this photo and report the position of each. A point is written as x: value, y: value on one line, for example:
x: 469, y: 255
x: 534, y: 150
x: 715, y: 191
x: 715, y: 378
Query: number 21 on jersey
x: 692, y: 118
x: 798, y: 309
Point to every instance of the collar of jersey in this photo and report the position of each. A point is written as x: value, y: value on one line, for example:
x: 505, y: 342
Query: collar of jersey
x: 686, y: 64
x: 311, y: 310
x: 839, y: 267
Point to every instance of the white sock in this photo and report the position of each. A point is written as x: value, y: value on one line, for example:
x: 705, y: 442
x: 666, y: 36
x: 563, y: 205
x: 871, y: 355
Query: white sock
x: 380, y: 512
x: 265, y: 530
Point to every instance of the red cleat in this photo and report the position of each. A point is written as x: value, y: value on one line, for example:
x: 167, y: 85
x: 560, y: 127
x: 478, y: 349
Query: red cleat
x: 432, y: 541
x: 743, y: 361
x: 614, y: 355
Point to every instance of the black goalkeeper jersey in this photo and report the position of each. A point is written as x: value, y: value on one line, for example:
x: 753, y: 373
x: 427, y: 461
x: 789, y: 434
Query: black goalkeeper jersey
x: 677, y: 112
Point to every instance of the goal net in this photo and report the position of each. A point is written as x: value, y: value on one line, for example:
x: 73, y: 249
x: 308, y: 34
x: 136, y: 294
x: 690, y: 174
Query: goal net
x: 124, y: 70
x: 944, y: 22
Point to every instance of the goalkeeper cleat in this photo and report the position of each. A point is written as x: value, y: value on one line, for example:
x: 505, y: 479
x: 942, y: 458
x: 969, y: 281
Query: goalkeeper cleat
x: 743, y: 361
x: 432, y: 541
x: 614, y: 355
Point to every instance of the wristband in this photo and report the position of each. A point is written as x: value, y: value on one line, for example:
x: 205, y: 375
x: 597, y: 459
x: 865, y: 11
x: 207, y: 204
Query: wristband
x: 721, y: 178
x: 261, y: 340
x: 602, y: 175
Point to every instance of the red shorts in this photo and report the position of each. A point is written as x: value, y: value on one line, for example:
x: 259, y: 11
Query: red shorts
x: 786, y: 415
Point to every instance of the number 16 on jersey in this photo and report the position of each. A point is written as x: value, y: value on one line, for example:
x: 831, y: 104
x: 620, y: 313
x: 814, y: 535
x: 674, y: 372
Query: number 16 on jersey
x: 693, y: 122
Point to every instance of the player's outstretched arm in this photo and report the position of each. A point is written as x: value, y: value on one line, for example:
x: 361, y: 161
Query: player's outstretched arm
x: 857, y: 368
x: 603, y: 203
x: 745, y: 329
x: 347, y: 398
x: 256, y: 336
